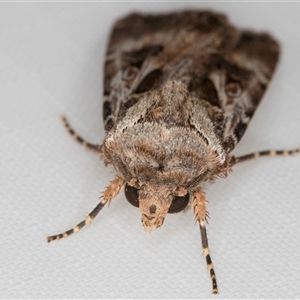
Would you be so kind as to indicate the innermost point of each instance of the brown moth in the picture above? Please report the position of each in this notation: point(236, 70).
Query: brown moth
point(179, 92)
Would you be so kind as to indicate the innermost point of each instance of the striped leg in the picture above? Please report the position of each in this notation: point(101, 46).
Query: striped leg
point(111, 192)
point(199, 206)
point(265, 153)
point(78, 138)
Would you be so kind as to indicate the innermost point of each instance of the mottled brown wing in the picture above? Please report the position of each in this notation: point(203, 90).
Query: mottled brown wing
point(238, 84)
point(145, 51)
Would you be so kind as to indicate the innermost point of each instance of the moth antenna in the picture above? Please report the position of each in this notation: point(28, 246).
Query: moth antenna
point(199, 207)
point(78, 138)
point(111, 192)
point(254, 155)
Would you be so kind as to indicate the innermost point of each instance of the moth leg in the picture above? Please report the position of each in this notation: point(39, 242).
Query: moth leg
point(265, 153)
point(199, 207)
point(111, 192)
point(78, 138)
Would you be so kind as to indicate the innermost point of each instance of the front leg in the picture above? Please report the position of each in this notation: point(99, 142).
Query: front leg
point(199, 207)
point(111, 192)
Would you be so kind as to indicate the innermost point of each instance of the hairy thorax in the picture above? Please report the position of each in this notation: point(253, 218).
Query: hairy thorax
point(162, 138)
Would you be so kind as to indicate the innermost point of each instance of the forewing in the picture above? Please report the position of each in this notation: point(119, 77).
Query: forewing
point(145, 51)
point(237, 85)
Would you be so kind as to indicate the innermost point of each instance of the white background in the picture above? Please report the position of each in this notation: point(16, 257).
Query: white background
point(51, 61)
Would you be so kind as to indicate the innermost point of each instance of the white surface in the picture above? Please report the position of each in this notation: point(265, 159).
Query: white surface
point(51, 58)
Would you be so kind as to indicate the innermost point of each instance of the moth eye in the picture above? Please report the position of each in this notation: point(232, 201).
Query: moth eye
point(132, 195)
point(179, 203)
point(233, 89)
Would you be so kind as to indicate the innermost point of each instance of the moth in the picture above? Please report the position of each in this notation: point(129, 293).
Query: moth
point(179, 92)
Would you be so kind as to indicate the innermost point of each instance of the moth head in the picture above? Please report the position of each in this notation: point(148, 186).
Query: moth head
point(155, 201)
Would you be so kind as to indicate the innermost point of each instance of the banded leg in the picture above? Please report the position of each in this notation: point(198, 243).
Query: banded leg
point(111, 192)
point(199, 207)
point(254, 155)
point(78, 138)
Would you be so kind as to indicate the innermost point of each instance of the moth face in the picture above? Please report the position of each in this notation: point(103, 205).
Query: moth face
point(155, 201)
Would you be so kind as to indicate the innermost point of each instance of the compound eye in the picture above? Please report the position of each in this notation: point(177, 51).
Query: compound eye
point(179, 203)
point(132, 195)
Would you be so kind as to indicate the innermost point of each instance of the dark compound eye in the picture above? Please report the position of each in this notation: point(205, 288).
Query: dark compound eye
point(179, 203)
point(132, 195)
